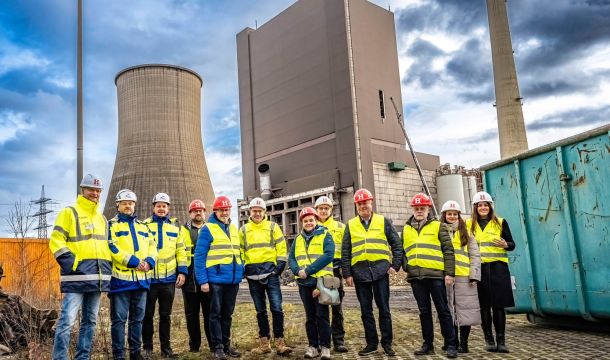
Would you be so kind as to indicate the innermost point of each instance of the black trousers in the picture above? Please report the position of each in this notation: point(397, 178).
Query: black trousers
point(380, 291)
point(338, 331)
point(222, 305)
point(164, 293)
point(423, 290)
point(317, 324)
point(194, 304)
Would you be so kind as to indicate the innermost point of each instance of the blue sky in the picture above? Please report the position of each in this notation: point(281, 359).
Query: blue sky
point(562, 52)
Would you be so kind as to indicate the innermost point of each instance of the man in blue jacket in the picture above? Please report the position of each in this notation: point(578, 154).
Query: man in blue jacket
point(219, 270)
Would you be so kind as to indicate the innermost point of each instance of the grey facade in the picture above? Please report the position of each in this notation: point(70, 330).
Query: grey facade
point(159, 139)
point(315, 84)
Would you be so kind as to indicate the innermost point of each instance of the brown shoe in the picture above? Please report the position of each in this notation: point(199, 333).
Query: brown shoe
point(281, 348)
point(264, 347)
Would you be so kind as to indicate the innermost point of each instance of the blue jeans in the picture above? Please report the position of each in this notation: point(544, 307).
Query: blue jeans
point(123, 306)
point(70, 306)
point(423, 290)
point(270, 285)
point(222, 304)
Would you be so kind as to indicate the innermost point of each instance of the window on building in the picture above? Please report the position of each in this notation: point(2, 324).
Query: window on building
point(382, 105)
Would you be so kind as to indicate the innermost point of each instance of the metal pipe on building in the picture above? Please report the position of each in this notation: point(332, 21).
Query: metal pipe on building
point(79, 98)
point(265, 181)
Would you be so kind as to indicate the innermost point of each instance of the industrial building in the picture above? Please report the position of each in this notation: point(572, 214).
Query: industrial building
point(160, 148)
point(316, 85)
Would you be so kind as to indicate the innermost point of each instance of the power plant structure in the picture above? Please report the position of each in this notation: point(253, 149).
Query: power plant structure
point(160, 148)
point(511, 126)
point(315, 89)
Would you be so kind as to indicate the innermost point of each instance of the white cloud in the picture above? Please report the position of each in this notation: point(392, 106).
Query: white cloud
point(15, 58)
point(12, 123)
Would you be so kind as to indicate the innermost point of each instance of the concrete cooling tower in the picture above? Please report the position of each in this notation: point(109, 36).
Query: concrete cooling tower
point(159, 146)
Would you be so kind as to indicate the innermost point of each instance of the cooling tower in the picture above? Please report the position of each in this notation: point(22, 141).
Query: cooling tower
point(159, 146)
point(511, 127)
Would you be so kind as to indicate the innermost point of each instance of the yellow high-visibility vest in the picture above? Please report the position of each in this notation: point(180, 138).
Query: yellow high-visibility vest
point(371, 244)
point(223, 249)
point(336, 229)
point(423, 249)
point(492, 231)
point(305, 256)
point(171, 251)
point(123, 239)
point(262, 242)
point(462, 260)
point(81, 230)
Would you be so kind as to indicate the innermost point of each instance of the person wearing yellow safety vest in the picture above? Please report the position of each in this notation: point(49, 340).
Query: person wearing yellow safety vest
point(495, 289)
point(462, 297)
point(430, 268)
point(195, 301)
point(264, 252)
point(168, 274)
point(134, 252)
point(311, 257)
point(79, 243)
point(324, 208)
point(219, 269)
point(370, 251)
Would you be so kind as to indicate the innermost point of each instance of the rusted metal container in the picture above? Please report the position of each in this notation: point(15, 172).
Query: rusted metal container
point(556, 199)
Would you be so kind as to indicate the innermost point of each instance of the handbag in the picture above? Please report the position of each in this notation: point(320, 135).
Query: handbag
point(329, 290)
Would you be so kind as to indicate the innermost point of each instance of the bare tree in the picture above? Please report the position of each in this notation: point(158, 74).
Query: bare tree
point(19, 220)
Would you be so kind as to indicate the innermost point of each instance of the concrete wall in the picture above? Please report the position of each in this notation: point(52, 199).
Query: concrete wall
point(394, 189)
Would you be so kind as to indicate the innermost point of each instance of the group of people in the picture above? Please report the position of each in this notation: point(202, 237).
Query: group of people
point(461, 266)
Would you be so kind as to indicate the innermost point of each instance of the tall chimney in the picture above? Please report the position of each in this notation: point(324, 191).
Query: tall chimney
point(511, 127)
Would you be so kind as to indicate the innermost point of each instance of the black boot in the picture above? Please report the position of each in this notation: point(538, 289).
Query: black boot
point(501, 343)
point(425, 349)
point(486, 320)
point(464, 333)
point(499, 320)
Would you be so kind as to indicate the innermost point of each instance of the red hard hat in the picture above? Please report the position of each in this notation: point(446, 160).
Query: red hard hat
point(362, 195)
point(222, 202)
point(196, 205)
point(308, 211)
point(421, 199)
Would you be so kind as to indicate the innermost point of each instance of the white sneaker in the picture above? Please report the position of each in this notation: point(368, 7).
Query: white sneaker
point(311, 352)
point(325, 354)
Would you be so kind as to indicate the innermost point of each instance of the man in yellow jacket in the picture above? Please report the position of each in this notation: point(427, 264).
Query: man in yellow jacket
point(169, 272)
point(134, 252)
point(324, 208)
point(264, 251)
point(79, 244)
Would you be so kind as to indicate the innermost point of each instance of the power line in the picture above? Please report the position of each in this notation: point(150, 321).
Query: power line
point(42, 213)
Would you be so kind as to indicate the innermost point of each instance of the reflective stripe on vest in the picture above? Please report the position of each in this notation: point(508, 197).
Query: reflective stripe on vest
point(371, 244)
point(462, 260)
point(485, 237)
point(423, 249)
point(223, 249)
point(259, 243)
point(336, 229)
point(305, 256)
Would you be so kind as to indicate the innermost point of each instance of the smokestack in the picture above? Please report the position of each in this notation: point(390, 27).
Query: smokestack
point(160, 147)
point(265, 181)
point(511, 127)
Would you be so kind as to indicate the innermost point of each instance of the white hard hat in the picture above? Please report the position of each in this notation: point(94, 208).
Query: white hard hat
point(482, 196)
point(451, 205)
point(91, 181)
point(257, 202)
point(161, 197)
point(126, 194)
point(323, 200)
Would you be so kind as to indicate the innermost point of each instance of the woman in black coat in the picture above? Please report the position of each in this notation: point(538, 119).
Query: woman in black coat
point(495, 290)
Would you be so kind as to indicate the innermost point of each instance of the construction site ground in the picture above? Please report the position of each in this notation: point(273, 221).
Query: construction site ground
point(525, 340)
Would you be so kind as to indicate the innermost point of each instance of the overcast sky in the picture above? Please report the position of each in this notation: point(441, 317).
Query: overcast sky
point(561, 47)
